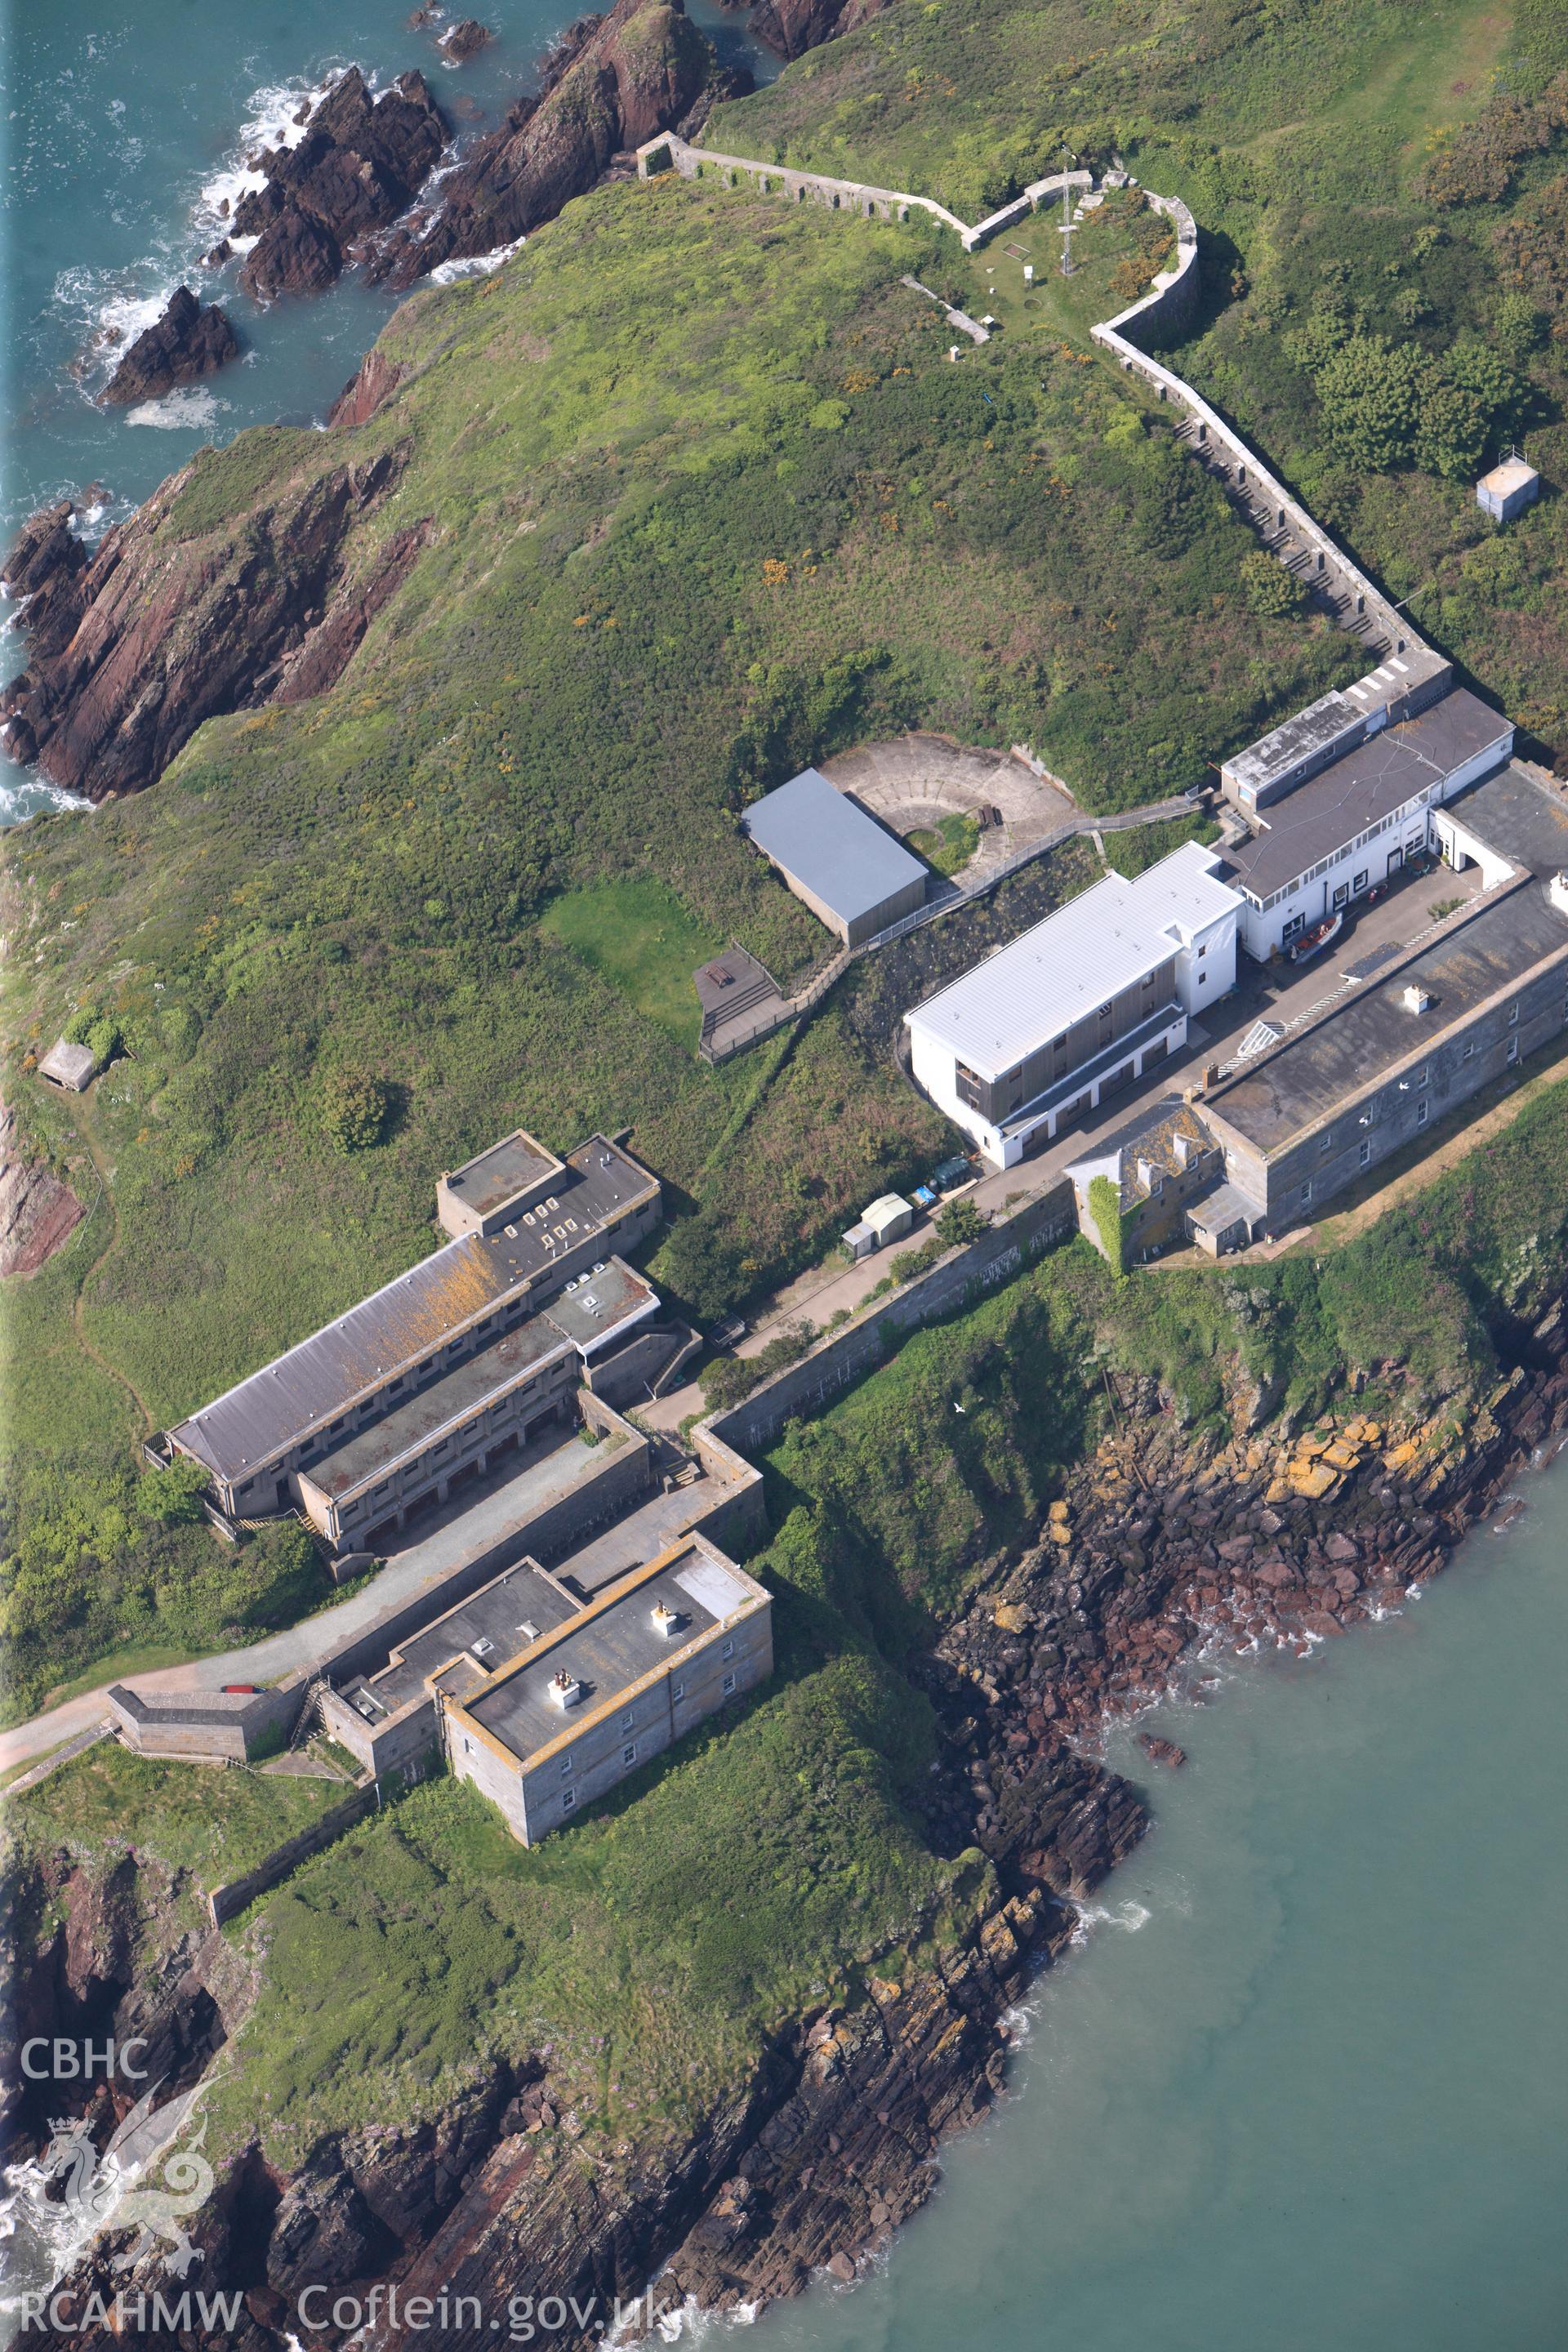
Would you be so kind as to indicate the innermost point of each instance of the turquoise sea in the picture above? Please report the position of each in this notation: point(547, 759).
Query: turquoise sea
point(1303, 2087)
point(120, 132)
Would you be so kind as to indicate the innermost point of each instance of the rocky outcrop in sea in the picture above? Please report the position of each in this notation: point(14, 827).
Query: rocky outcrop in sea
point(170, 623)
point(359, 164)
point(186, 343)
point(610, 82)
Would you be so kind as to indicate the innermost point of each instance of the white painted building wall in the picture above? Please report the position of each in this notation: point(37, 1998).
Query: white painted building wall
point(1339, 880)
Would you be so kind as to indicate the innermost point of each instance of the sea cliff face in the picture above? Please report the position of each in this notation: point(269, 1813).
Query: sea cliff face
point(1165, 1545)
point(170, 624)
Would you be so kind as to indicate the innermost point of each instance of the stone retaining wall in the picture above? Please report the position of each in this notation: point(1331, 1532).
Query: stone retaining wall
point(846, 1356)
point(1165, 312)
point(224, 1902)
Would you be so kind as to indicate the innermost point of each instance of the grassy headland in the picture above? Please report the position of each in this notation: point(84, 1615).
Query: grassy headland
point(708, 500)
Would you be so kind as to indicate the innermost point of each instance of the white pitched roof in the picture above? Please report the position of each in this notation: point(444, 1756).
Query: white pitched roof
point(1043, 982)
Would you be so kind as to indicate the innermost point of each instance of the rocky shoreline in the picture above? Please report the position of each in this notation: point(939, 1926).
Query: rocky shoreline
point(1164, 1552)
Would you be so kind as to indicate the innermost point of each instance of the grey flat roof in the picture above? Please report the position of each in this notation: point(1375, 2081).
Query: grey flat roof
point(457, 1396)
point(1324, 815)
point(599, 1305)
point(829, 845)
point(611, 1649)
point(513, 1166)
point(70, 1065)
point(1321, 723)
point(1330, 1067)
point(1520, 817)
point(409, 1318)
point(498, 1613)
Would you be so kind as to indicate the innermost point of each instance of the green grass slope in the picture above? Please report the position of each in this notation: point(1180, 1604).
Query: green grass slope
point(707, 501)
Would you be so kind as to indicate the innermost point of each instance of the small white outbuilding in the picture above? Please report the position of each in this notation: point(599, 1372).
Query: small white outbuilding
point(1508, 489)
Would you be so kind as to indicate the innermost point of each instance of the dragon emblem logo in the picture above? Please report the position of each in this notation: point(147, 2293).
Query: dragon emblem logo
point(144, 2181)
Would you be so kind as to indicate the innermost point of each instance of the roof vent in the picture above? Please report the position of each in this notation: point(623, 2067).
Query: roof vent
point(481, 1648)
point(1557, 891)
point(566, 1690)
point(529, 1630)
point(1414, 998)
point(666, 1620)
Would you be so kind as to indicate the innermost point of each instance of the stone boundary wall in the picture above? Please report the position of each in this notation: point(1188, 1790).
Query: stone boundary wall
point(1167, 308)
point(223, 1901)
point(846, 1355)
point(857, 197)
point(1166, 311)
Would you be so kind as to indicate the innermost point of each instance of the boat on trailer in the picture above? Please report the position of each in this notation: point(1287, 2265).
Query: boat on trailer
point(1313, 942)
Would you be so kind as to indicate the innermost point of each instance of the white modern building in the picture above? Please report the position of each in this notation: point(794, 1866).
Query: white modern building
point(1080, 1007)
point(1324, 837)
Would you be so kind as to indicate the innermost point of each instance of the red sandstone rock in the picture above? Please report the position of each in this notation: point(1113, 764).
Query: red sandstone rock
point(629, 75)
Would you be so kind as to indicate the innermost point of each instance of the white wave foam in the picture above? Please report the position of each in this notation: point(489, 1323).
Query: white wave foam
point(32, 795)
point(189, 410)
point(1130, 1917)
point(482, 264)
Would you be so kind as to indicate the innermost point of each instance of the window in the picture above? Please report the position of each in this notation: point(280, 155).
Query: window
point(1366, 1152)
point(728, 1651)
point(1342, 894)
point(1306, 1192)
point(1362, 879)
point(1423, 1074)
point(1468, 1048)
point(729, 1684)
point(1106, 1011)
point(678, 1690)
point(568, 1798)
point(967, 1083)
point(1203, 952)
point(629, 1752)
point(1513, 1049)
point(566, 1766)
point(1514, 1015)
point(1326, 1141)
point(1203, 979)
point(627, 1720)
point(1421, 1111)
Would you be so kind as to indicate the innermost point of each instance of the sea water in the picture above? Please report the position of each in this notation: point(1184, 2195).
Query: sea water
point(122, 132)
point(1302, 2086)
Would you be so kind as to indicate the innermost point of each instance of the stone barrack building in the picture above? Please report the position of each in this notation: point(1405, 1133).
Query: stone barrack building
point(380, 1408)
point(604, 1690)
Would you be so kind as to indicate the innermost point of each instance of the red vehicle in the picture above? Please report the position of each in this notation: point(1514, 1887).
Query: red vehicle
point(241, 1690)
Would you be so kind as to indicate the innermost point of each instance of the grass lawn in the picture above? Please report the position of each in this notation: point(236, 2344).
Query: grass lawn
point(216, 1821)
point(638, 936)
